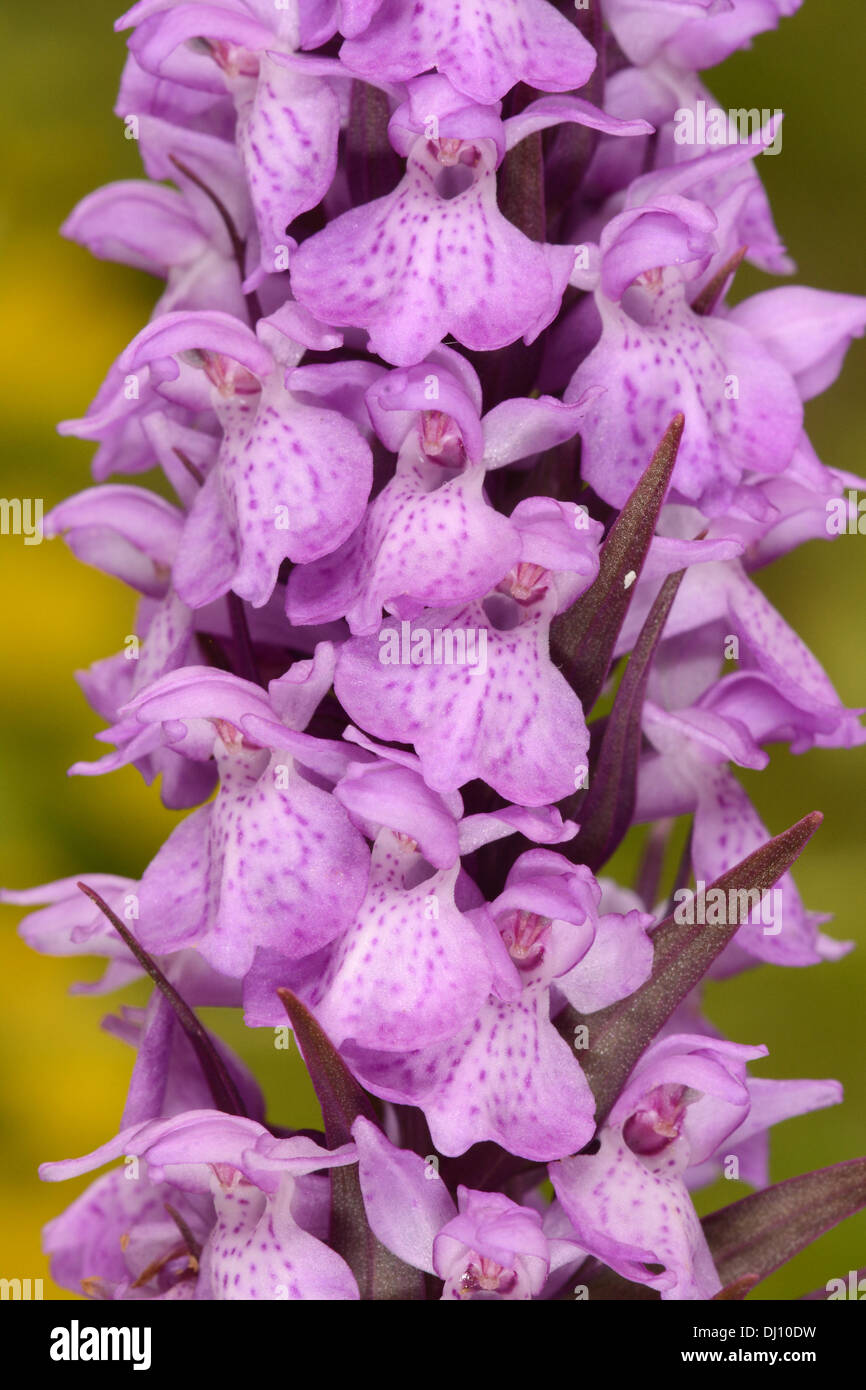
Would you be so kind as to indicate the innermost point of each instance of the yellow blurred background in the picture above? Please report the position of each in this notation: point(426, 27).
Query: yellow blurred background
point(65, 318)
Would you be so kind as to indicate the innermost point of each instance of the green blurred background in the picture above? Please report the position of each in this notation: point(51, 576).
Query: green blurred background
point(65, 318)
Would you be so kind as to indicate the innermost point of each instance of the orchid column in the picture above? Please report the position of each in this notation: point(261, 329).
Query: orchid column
point(473, 467)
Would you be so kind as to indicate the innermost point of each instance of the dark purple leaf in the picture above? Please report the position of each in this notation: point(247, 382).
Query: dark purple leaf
point(379, 1273)
point(582, 640)
point(341, 1098)
point(620, 1034)
point(713, 291)
point(223, 1089)
point(733, 1293)
point(605, 812)
point(766, 1229)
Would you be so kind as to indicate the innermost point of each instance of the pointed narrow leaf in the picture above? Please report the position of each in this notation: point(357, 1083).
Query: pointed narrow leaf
point(620, 1034)
point(223, 1089)
point(380, 1275)
point(582, 639)
point(606, 811)
point(606, 1286)
point(766, 1229)
point(733, 1293)
point(341, 1098)
point(712, 292)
